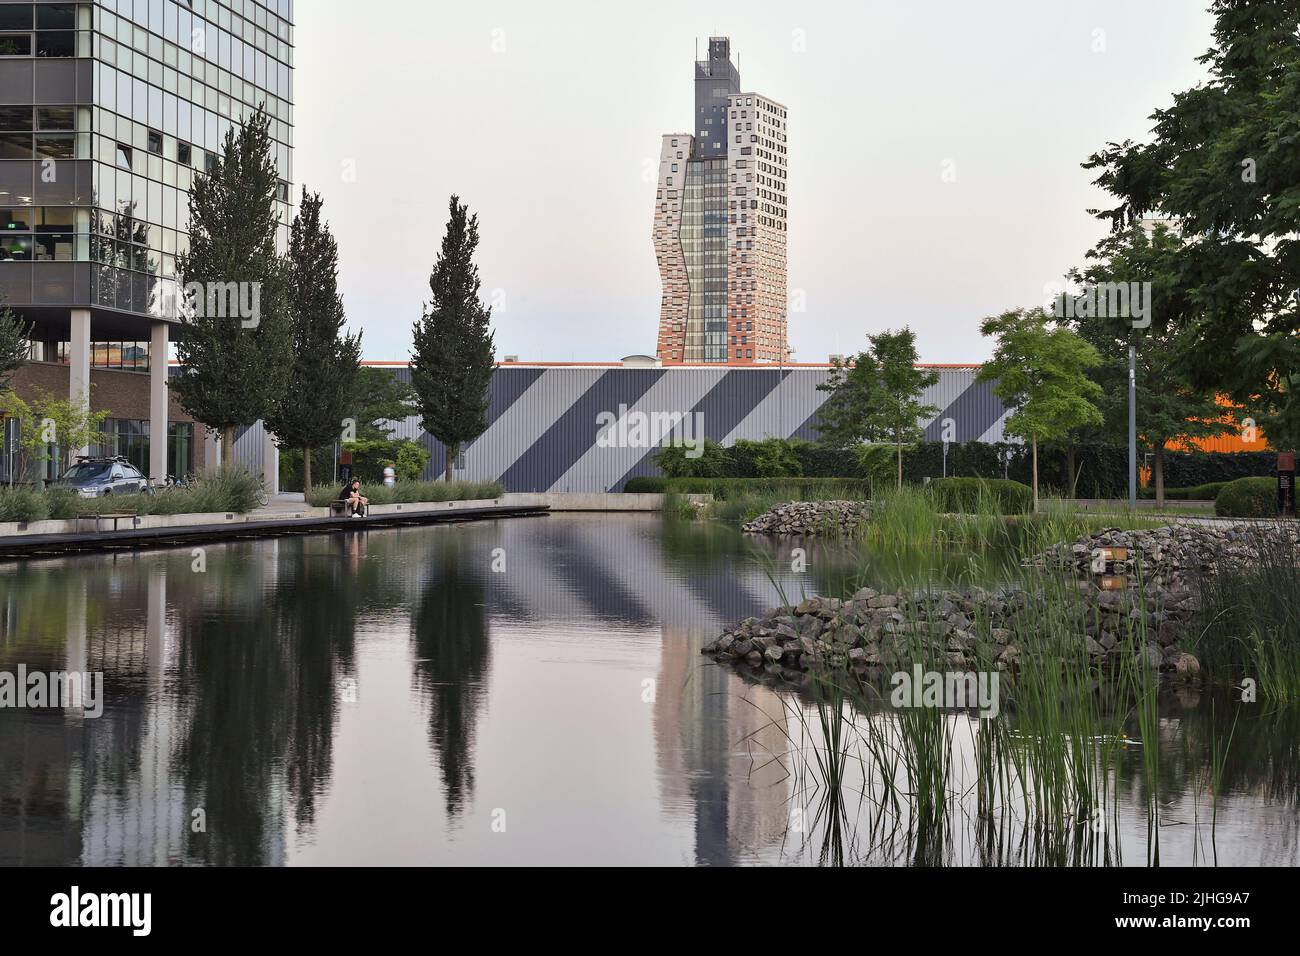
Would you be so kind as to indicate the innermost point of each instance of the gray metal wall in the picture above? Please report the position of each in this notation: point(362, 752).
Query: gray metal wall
point(543, 432)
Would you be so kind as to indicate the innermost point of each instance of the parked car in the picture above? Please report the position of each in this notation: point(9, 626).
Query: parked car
point(100, 477)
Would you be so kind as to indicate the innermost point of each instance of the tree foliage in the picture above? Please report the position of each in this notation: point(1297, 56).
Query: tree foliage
point(14, 344)
point(235, 369)
point(1041, 373)
point(1224, 161)
point(1171, 410)
point(325, 361)
point(877, 397)
point(453, 357)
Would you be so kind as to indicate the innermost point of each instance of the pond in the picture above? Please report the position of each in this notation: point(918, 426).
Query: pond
point(527, 691)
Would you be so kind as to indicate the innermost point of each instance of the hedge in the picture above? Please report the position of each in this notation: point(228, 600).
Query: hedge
point(1198, 493)
point(981, 494)
point(1102, 469)
point(1247, 498)
point(805, 489)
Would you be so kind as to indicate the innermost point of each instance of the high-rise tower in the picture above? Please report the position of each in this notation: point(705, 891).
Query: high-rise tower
point(720, 224)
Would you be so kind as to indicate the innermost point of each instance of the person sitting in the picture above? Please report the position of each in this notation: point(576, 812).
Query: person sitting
point(351, 496)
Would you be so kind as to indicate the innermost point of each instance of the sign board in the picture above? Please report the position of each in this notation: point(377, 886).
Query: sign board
point(1286, 484)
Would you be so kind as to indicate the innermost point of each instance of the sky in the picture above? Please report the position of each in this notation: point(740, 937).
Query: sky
point(934, 153)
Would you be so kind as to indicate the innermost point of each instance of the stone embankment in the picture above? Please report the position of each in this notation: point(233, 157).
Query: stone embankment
point(813, 518)
point(969, 630)
point(1177, 550)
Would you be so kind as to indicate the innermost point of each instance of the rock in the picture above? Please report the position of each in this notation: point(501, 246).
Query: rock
point(1185, 666)
point(825, 518)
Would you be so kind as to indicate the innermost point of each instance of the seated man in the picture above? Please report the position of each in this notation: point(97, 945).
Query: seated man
point(352, 499)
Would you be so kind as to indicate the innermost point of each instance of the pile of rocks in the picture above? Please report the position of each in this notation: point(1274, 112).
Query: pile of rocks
point(826, 518)
point(962, 629)
point(1181, 549)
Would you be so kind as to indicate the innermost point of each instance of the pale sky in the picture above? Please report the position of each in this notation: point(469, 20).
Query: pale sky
point(546, 119)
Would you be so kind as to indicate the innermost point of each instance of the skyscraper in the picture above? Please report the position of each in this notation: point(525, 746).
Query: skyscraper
point(109, 111)
point(720, 224)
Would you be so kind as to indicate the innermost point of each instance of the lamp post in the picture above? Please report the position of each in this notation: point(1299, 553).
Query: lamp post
point(1132, 428)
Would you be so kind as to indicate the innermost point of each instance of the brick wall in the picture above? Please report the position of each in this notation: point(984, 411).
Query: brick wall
point(121, 394)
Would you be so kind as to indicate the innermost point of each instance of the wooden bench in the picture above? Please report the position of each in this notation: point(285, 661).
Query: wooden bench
point(115, 516)
point(338, 509)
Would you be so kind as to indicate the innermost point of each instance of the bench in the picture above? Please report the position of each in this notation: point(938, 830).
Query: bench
point(338, 509)
point(115, 516)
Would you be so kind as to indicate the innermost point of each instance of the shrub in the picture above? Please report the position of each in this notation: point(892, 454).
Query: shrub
point(370, 457)
point(676, 461)
point(978, 495)
point(415, 492)
point(804, 489)
point(771, 457)
point(1197, 493)
point(1247, 498)
point(411, 461)
point(22, 504)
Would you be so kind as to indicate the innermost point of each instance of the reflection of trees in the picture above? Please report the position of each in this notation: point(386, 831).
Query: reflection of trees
point(260, 682)
point(118, 245)
point(450, 632)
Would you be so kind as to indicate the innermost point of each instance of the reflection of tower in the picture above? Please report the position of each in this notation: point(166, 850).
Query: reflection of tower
point(702, 713)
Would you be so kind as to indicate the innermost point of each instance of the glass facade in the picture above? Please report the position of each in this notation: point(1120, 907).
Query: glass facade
point(129, 439)
point(170, 79)
point(704, 248)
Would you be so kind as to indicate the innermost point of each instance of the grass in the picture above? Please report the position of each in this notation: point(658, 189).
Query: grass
point(906, 518)
point(1252, 618)
point(413, 492)
point(224, 491)
point(1037, 784)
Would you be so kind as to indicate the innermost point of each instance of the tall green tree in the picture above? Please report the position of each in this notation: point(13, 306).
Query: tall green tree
point(1171, 410)
point(14, 343)
point(326, 360)
point(234, 368)
point(877, 396)
point(453, 357)
point(379, 396)
point(1224, 161)
point(1041, 372)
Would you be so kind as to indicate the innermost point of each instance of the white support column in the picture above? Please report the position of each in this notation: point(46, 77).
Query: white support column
point(79, 367)
point(270, 463)
point(159, 343)
point(211, 448)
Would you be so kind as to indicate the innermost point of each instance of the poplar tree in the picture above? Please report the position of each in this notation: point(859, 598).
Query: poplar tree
point(453, 354)
point(234, 368)
point(326, 361)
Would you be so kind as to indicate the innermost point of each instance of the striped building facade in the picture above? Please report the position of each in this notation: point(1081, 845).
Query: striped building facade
point(592, 427)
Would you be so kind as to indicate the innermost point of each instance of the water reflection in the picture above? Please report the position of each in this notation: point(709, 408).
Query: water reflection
point(517, 692)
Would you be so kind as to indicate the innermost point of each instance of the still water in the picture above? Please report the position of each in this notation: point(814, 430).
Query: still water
point(518, 692)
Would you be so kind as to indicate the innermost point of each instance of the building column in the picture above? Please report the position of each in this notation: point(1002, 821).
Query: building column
point(79, 367)
point(211, 448)
point(270, 463)
point(159, 343)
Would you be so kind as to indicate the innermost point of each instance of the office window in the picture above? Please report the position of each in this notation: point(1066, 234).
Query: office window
point(15, 44)
point(155, 142)
point(124, 156)
point(183, 154)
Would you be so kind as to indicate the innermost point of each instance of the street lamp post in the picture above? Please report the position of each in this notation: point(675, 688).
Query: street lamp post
point(1132, 428)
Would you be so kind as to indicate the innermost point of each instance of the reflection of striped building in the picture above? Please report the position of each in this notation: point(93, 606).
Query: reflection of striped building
point(550, 424)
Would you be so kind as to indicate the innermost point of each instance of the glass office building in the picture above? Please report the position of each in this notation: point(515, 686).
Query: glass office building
point(108, 113)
